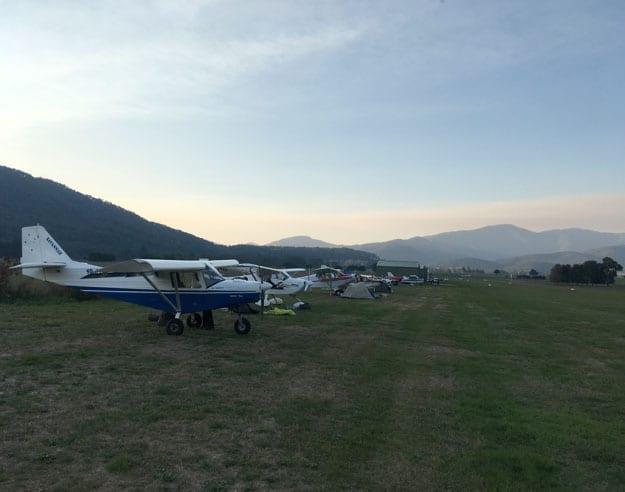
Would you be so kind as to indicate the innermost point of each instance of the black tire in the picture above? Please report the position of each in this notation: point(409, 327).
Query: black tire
point(242, 326)
point(194, 320)
point(174, 327)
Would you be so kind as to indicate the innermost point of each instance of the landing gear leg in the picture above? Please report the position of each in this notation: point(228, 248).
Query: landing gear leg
point(194, 320)
point(207, 320)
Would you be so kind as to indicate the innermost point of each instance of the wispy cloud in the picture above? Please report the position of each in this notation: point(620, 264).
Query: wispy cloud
point(485, 35)
point(83, 60)
point(75, 60)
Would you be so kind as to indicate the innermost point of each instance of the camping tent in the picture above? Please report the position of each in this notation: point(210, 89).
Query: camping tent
point(360, 290)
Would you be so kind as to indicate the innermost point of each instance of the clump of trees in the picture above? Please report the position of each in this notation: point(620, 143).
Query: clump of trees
point(589, 272)
point(5, 272)
point(533, 275)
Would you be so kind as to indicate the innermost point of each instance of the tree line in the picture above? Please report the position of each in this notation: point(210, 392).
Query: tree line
point(589, 272)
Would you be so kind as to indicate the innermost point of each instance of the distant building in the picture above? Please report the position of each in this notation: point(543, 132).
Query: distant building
point(398, 264)
point(401, 267)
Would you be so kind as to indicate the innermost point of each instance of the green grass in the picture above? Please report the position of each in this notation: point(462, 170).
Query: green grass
point(475, 384)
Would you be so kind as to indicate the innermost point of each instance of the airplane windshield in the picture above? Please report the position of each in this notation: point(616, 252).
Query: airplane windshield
point(211, 277)
point(274, 276)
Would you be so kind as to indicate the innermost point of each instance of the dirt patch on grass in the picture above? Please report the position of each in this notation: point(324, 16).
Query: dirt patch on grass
point(545, 391)
point(7, 385)
point(595, 363)
point(419, 386)
point(447, 383)
point(318, 385)
point(400, 473)
point(446, 352)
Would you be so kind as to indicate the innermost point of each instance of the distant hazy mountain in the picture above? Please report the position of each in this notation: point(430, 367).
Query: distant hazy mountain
point(503, 246)
point(501, 241)
point(499, 244)
point(417, 249)
point(302, 241)
point(615, 252)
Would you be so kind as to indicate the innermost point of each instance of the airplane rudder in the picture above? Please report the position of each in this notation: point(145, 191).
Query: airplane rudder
point(31, 252)
point(39, 246)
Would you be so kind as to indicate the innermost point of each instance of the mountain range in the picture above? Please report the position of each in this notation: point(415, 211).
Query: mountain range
point(92, 229)
point(504, 246)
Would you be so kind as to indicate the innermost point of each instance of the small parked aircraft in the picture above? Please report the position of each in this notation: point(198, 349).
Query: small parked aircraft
point(413, 280)
point(329, 278)
point(395, 279)
point(282, 283)
point(173, 287)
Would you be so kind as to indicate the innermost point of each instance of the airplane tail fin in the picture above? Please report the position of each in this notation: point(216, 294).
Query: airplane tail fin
point(43, 258)
point(40, 250)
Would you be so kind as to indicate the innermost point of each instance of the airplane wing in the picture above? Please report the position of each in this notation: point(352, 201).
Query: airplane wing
point(273, 276)
point(140, 265)
point(326, 270)
point(237, 270)
point(221, 263)
point(261, 268)
point(145, 266)
point(276, 274)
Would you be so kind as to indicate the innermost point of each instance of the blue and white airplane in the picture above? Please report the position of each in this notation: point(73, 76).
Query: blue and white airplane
point(174, 287)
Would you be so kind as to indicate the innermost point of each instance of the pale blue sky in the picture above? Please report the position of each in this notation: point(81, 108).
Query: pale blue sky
point(347, 121)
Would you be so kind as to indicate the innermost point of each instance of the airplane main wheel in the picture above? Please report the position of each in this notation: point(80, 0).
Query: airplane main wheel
point(194, 320)
point(242, 326)
point(174, 327)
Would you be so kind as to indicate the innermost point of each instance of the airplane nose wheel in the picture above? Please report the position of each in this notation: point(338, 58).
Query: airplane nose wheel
point(174, 327)
point(242, 326)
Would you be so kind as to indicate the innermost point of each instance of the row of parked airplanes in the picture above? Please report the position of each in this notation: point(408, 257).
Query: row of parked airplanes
point(176, 287)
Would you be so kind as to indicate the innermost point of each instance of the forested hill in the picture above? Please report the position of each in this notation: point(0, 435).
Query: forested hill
point(90, 228)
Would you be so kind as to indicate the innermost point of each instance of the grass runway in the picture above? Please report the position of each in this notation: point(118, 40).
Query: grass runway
point(477, 384)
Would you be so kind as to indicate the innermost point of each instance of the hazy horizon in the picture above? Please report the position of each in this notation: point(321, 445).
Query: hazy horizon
point(350, 122)
point(443, 232)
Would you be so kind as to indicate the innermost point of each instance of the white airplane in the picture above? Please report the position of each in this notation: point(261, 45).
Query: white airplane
point(173, 287)
point(328, 278)
point(394, 279)
point(412, 280)
point(280, 280)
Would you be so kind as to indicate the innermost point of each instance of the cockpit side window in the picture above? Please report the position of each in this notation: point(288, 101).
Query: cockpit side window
point(190, 280)
point(211, 277)
point(186, 280)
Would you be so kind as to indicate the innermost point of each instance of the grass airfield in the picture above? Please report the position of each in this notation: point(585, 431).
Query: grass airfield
point(472, 384)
